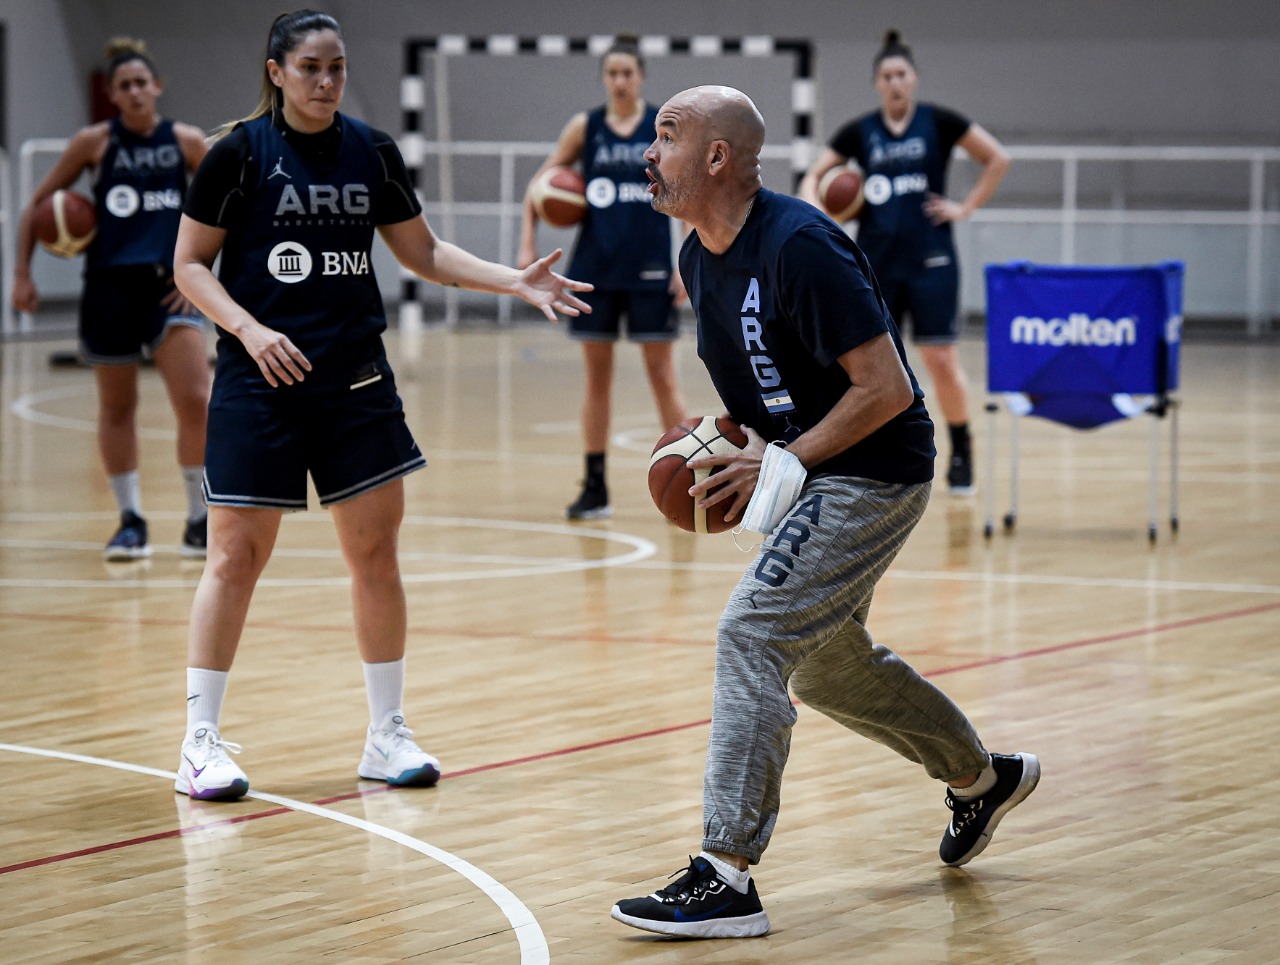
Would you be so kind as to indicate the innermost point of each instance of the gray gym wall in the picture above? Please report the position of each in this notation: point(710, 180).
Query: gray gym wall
point(1096, 71)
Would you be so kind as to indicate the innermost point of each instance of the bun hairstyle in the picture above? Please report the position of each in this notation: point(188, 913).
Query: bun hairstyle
point(893, 47)
point(628, 44)
point(124, 50)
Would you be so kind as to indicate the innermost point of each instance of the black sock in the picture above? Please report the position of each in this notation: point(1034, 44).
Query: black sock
point(595, 469)
point(959, 438)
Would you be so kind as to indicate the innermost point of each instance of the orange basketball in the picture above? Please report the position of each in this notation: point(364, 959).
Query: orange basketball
point(560, 197)
point(840, 192)
point(65, 222)
point(670, 477)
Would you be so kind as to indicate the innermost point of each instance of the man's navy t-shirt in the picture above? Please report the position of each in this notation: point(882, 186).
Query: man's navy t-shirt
point(776, 311)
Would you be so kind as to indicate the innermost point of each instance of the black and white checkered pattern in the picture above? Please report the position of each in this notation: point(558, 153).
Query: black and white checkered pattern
point(413, 89)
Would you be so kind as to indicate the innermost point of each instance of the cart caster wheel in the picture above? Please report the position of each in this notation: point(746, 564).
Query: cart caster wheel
point(1151, 535)
point(1010, 520)
point(987, 530)
point(1173, 524)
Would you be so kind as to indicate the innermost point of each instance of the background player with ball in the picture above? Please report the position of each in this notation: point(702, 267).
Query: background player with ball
point(624, 250)
point(801, 348)
point(129, 305)
point(904, 226)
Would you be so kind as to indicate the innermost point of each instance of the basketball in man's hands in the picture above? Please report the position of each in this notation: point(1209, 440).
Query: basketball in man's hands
point(65, 222)
point(670, 476)
point(840, 192)
point(559, 197)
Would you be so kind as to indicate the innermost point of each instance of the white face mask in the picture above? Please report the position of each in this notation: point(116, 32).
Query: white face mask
point(778, 488)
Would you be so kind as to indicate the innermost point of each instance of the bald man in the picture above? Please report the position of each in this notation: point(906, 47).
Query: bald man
point(802, 350)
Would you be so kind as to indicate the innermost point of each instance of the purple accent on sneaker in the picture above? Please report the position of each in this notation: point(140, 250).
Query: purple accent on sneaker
point(235, 789)
point(195, 771)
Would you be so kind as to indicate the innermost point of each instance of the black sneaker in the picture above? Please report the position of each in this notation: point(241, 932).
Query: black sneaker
point(195, 539)
point(960, 474)
point(592, 503)
point(973, 821)
point(699, 905)
point(130, 541)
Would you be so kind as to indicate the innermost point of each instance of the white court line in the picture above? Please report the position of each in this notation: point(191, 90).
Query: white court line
point(24, 407)
point(1102, 582)
point(640, 442)
point(641, 556)
point(533, 944)
point(514, 566)
point(1009, 578)
point(308, 554)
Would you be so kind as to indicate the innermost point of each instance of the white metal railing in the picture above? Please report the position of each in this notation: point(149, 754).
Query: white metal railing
point(1253, 217)
point(8, 229)
point(508, 207)
point(12, 205)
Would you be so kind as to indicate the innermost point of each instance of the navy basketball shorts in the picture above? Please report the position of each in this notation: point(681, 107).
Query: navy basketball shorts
point(122, 318)
point(263, 442)
point(930, 296)
point(650, 316)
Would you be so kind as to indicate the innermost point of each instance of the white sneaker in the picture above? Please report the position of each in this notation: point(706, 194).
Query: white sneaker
point(391, 755)
point(205, 772)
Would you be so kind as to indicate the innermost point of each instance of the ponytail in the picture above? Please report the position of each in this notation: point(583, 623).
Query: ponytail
point(287, 31)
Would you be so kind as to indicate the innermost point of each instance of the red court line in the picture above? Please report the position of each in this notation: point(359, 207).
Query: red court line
point(1108, 638)
point(145, 839)
point(629, 738)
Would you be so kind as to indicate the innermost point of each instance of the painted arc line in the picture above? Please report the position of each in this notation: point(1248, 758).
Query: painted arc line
point(24, 407)
point(533, 943)
point(303, 554)
point(639, 549)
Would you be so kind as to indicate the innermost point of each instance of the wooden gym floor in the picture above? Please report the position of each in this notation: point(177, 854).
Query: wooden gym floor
point(563, 675)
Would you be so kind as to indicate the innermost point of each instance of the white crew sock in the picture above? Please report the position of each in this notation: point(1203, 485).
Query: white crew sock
point(735, 879)
point(205, 690)
point(384, 686)
point(193, 483)
point(127, 488)
point(985, 782)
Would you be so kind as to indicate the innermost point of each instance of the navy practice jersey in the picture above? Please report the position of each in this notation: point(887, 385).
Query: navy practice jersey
point(623, 243)
point(138, 192)
point(776, 311)
point(899, 173)
point(300, 212)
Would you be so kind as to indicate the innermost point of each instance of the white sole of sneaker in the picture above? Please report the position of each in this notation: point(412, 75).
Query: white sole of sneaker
point(124, 556)
point(194, 552)
point(426, 776)
point(1030, 778)
point(605, 513)
point(749, 926)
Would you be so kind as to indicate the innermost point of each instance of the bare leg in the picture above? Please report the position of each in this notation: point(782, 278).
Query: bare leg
point(183, 365)
point(598, 360)
point(368, 528)
point(659, 364)
point(117, 417)
point(949, 381)
point(240, 543)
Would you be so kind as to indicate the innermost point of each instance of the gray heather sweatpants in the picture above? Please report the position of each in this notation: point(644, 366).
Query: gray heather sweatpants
point(799, 616)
